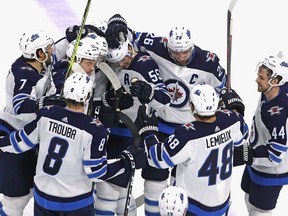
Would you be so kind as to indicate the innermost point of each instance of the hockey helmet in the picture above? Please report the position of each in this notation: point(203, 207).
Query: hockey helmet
point(30, 42)
point(118, 54)
point(173, 201)
point(278, 67)
point(204, 99)
point(78, 87)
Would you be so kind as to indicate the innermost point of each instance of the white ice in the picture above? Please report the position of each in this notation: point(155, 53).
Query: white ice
point(259, 29)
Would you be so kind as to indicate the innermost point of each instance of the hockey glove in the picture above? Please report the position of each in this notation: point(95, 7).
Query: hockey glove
point(126, 100)
point(243, 155)
point(108, 117)
point(96, 30)
point(72, 32)
point(142, 90)
point(116, 28)
point(49, 100)
point(146, 123)
point(134, 158)
point(231, 100)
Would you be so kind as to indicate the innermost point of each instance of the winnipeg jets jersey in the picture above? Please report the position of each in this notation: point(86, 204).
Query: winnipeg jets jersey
point(203, 68)
point(143, 68)
point(203, 153)
point(72, 152)
point(24, 85)
point(268, 137)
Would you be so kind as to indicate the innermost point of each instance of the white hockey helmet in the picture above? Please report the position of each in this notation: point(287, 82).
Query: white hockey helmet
point(91, 47)
point(278, 67)
point(173, 201)
point(204, 99)
point(101, 43)
point(30, 42)
point(100, 24)
point(118, 54)
point(180, 39)
point(78, 87)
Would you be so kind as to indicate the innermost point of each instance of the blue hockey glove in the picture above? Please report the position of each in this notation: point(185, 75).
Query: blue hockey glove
point(126, 100)
point(134, 158)
point(146, 123)
point(142, 90)
point(231, 101)
point(50, 100)
point(243, 155)
point(116, 25)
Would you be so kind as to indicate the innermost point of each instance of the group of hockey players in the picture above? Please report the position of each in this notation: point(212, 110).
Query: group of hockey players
point(62, 138)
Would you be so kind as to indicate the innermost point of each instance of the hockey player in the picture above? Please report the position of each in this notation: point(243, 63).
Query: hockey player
point(138, 66)
point(204, 151)
point(182, 65)
point(264, 179)
point(173, 201)
point(27, 84)
point(97, 28)
point(91, 50)
point(72, 153)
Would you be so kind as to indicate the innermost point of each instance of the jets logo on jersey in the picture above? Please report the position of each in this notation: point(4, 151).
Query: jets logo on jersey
point(179, 93)
point(275, 110)
point(144, 58)
point(210, 57)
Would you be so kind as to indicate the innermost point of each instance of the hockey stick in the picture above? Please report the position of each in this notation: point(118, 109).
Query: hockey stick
point(229, 42)
point(85, 15)
point(107, 70)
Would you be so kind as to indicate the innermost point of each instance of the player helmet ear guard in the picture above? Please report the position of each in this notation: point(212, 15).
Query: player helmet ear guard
point(173, 201)
point(92, 47)
point(204, 99)
point(180, 39)
point(78, 87)
point(279, 68)
point(30, 42)
point(118, 54)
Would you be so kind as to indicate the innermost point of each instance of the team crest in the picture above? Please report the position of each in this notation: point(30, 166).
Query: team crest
point(275, 110)
point(210, 57)
point(179, 93)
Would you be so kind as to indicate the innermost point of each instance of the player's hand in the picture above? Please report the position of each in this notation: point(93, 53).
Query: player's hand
point(116, 29)
point(50, 100)
point(72, 32)
point(125, 101)
point(108, 117)
point(243, 155)
point(142, 90)
point(231, 101)
point(134, 158)
point(146, 123)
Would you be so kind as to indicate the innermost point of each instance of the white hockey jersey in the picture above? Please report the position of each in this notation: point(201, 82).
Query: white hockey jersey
point(72, 154)
point(203, 68)
point(203, 153)
point(268, 138)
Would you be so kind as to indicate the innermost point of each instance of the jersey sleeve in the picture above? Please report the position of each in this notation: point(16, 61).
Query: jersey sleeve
point(96, 164)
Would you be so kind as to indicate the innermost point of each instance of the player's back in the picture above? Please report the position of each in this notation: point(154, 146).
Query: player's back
point(207, 170)
point(67, 138)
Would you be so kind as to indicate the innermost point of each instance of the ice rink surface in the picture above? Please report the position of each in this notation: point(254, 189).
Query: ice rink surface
point(259, 29)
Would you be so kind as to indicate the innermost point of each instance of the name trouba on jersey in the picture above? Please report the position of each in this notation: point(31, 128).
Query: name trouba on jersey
point(62, 130)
